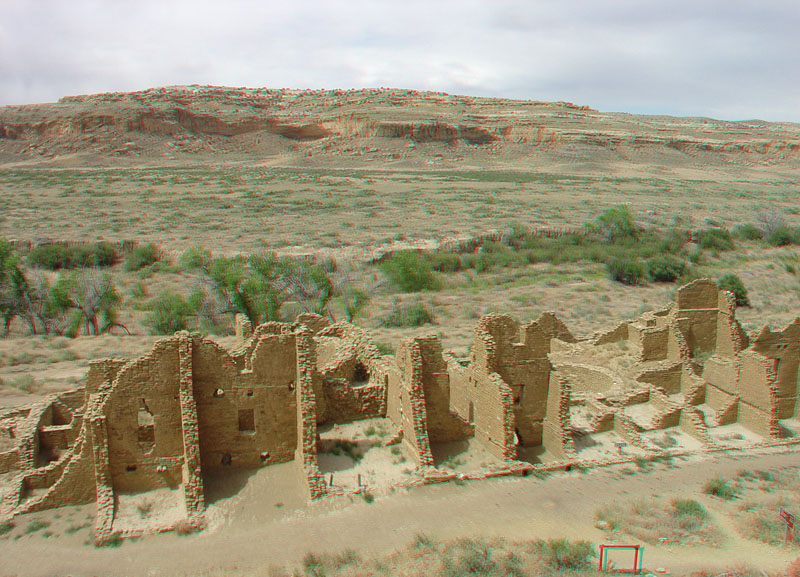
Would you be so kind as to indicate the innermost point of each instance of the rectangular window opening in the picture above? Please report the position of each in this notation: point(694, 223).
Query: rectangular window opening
point(146, 427)
point(247, 421)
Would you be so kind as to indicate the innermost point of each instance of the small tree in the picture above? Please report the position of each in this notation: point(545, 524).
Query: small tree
point(410, 272)
point(616, 223)
point(665, 268)
point(12, 284)
point(627, 271)
point(46, 307)
point(169, 313)
point(94, 295)
point(141, 256)
point(732, 283)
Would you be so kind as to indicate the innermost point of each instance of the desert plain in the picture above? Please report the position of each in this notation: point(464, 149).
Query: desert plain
point(349, 180)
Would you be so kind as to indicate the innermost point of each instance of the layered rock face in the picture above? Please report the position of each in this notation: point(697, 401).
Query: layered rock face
point(398, 128)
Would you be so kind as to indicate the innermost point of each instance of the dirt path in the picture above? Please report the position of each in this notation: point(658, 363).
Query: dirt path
point(514, 508)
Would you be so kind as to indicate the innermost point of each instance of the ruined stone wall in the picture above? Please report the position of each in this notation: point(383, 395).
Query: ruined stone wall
point(693, 423)
point(484, 399)
point(731, 337)
point(354, 375)
point(144, 422)
point(616, 335)
point(650, 340)
point(783, 348)
point(667, 378)
point(698, 303)
point(411, 414)
point(306, 418)
point(556, 434)
point(189, 409)
point(722, 373)
point(758, 409)
point(246, 419)
point(443, 424)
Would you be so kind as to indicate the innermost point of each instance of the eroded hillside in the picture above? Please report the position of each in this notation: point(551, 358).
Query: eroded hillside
point(390, 129)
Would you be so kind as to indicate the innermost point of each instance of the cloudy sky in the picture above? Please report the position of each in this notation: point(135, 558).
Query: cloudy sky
point(731, 59)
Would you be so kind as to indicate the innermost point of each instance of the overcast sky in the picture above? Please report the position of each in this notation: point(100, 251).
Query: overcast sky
point(730, 59)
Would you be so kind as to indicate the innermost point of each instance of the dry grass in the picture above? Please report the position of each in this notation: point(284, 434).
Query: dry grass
point(426, 557)
point(762, 495)
point(680, 521)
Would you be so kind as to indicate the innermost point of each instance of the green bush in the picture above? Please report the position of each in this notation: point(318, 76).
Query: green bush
point(564, 554)
point(142, 255)
point(784, 236)
point(665, 268)
point(194, 258)
point(444, 261)
point(410, 272)
point(731, 282)
point(627, 271)
point(720, 488)
point(415, 315)
point(675, 241)
point(169, 313)
point(60, 256)
point(615, 223)
point(748, 231)
point(689, 508)
point(716, 239)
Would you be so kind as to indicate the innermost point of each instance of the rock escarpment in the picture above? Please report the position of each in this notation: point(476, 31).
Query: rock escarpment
point(399, 128)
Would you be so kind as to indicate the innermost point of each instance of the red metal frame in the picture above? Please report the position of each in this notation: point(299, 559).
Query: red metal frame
point(638, 558)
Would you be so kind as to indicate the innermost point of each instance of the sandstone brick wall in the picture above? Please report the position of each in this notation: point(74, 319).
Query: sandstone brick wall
point(443, 423)
point(411, 411)
point(189, 409)
point(666, 377)
point(556, 435)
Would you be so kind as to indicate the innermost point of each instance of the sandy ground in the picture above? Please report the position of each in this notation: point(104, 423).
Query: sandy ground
point(259, 532)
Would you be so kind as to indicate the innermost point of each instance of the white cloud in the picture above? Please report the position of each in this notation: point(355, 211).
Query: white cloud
point(728, 58)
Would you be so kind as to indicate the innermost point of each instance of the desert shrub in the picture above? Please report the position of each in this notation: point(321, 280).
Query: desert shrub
point(36, 525)
point(564, 554)
point(720, 488)
point(764, 526)
point(6, 527)
point(748, 231)
point(477, 557)
point(784, 236)
point(626, 270)
point(690, 508)
point(169, 313)
point(615, 223)
point(674, 241)
point(142, 255)
point(384, 348)
point(444, 261)
point(50, 256)
point(715, 239)
point(665, 268)
point(690, 514)
point(414, 315)
point(60, 256)
point(194, 258)
point(355, 301)
point(410, 272)
point(731, 282)
point(346, 448)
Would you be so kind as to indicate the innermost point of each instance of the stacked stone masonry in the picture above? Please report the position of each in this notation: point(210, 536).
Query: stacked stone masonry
point(190, 411)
